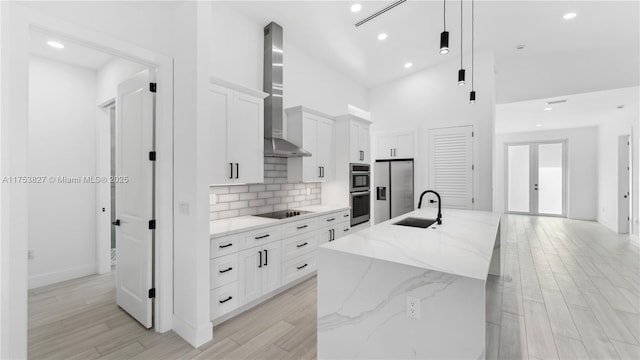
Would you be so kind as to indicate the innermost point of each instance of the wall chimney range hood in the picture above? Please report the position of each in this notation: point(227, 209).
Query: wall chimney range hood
point(275, 145)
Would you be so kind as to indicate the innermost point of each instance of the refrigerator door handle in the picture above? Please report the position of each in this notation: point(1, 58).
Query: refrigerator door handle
point(381, 193)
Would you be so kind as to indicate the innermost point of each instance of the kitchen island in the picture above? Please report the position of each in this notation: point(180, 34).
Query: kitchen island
point(397, 292)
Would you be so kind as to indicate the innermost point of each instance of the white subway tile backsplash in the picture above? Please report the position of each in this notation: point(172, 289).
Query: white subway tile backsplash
point(238, 204)
point(238, 189)
point(274, 194)
point(250, 196)
point(228, 198)
point(257, 188)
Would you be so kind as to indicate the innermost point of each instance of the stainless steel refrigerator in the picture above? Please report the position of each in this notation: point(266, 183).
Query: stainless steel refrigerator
point(393, 186)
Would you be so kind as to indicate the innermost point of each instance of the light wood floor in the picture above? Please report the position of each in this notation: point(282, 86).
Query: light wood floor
point(569, 289)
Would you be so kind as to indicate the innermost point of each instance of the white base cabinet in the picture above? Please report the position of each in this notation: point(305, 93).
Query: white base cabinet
point(249, 265)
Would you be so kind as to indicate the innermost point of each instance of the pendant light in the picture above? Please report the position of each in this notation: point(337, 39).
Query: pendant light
point(461, 71)
point(472, 95)
point(444, 36)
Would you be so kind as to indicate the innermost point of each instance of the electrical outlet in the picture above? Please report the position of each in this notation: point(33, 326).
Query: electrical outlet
point(213, 199)
point(183, 208)
point(31, 255)
point(413, 307)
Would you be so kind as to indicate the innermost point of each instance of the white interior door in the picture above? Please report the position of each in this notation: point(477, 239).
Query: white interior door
point(451, 165)
point(535, 178)
point(134, 197)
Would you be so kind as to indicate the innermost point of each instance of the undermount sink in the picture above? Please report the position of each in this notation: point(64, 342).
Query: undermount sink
point(416, 222)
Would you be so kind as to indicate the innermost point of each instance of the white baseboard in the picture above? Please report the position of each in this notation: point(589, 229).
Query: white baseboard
point(607, 225)
point(62, 275)
point(194, 336)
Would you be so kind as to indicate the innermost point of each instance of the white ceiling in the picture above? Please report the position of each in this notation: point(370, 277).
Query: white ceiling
point(580, 110)
point(606, 31)
point(72, 53)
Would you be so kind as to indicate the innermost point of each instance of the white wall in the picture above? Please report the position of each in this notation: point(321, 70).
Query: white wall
point(622, 122)
point(62, 227)
point(582, 162)
point(431, 98)
point(113, 73)
point(237, 56)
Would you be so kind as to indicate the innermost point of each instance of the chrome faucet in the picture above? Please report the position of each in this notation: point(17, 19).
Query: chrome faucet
point(439, 219)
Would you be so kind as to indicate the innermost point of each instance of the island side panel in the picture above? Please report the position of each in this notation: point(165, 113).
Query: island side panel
point(494, 266)
point(362, 311)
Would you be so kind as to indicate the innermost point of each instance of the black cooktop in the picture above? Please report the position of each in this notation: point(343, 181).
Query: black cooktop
point(284, 214)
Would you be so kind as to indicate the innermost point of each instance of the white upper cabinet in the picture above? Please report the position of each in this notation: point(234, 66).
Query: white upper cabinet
point(237, 134)
point(395, 145)
point(359, 138)
point(314, 132)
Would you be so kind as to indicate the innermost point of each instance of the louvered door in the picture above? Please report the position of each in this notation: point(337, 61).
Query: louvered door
point(451, 165)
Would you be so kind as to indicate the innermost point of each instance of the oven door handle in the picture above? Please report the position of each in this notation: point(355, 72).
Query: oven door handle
point(358, 193)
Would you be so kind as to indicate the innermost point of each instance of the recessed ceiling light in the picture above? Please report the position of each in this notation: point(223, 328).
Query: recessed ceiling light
point(538, 125)
point(356, 7)
point(408, 65)
point(548, 108)
point(382, 36)
point(569, 16)
point(521, 47)
point(55, 44)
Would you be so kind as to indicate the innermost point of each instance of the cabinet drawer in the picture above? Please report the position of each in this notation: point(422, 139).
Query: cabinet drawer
point(224, 245)
point(224, 299)
point(330, 219)
point(299, 227)
point(259, 237)
point(298, 267)
point(224, 270)
point(343, 229)
point(345, 216)
point(299, 245)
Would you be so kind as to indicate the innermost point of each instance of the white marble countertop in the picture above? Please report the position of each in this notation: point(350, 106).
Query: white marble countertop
point(245, 223)
point(462, 245)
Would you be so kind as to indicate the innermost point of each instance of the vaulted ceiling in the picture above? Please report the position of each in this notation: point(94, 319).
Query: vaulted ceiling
point(599, 49)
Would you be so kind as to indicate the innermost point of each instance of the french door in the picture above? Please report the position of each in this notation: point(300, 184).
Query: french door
point(536, 178)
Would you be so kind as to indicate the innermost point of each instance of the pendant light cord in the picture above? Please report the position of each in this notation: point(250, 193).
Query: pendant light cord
point(472, 41)
point(444, 14)
point(461, 35)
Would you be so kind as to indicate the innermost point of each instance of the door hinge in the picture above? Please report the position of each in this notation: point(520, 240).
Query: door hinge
point(153, 87)
point(152, 224)
point(473, 167)
point(152, 293)
point(473, 200)
point(152, 156)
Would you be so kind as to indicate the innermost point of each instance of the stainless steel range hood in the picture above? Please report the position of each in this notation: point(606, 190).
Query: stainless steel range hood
point(275, 145)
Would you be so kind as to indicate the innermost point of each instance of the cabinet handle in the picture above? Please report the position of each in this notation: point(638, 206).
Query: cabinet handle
point(319, 171)
point(331, 219)
point(231, 170)
point(302, 227)
point(322, 171)
point(224, 271)
point(262, 237)
point(301, 267)
point(333, 234)
point(225, 246)
point(260, 262)
point(301, 245)
point(345, 230)
point(345, 215)
point(391, 152)
point(237, 170)
point(225, 300)
point(395, 152)
point(266, 257)
point(116, 223)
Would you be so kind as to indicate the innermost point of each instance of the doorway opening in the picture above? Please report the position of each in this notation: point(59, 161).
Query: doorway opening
point(91, 127)
point(536, 178)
